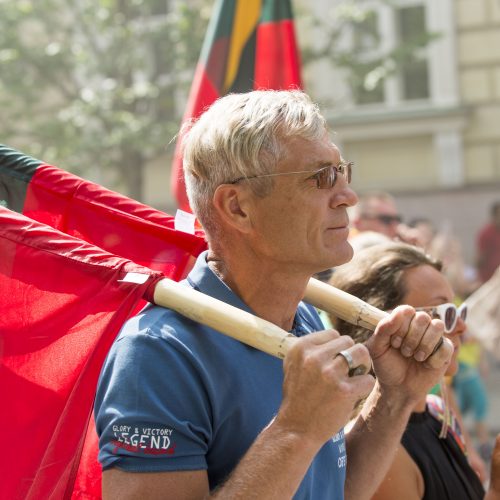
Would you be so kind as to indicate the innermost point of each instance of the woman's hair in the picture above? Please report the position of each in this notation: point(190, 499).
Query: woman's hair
point(377, 275)
point(243, 135)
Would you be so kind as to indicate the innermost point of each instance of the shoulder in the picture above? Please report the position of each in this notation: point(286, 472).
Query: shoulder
point(403, 480)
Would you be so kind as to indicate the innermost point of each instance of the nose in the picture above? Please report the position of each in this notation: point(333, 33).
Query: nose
point(460, 327)
point(343, 194)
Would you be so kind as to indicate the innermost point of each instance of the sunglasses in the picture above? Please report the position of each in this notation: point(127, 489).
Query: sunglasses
point(387, 220)
point(325, 177)
point(447, 313)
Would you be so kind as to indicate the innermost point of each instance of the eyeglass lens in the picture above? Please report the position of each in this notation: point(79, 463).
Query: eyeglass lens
point(389, 219)
point(450, 317)
point(327, 177)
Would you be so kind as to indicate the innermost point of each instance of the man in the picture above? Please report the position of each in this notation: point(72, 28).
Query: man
point(376, 219)
point(185, 412)
point(488, 245)
point(377, 212)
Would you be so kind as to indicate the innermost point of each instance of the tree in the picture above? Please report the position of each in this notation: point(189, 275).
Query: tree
point(86, 83)
point(366, 65)
point(98, 86)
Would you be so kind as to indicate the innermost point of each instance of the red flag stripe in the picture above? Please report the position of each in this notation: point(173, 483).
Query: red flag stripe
point(276, 47)
point(62, 305)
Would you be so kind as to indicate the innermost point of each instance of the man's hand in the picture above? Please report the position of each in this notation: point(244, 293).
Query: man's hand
point(318, 394)
point(402, 349)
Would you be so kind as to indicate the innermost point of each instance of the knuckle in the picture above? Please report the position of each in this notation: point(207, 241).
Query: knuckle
point(437, 325)
point(334, 333)
point(421, 319)
point(405, 310)
point(310, 360)
point(328, 374)
point(346, 341)
point(361, 353)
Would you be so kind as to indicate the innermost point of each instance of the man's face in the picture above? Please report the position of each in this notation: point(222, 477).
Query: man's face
point(298, 225)
point(380, 216)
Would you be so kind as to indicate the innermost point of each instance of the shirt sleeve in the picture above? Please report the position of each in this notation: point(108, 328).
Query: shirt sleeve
point(152, 412)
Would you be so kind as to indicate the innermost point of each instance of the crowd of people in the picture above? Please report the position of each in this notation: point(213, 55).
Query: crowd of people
point(184, 412)
point(376, 219)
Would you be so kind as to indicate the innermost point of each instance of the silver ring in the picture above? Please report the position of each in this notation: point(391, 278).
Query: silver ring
point(353, 370)
point(348, 358)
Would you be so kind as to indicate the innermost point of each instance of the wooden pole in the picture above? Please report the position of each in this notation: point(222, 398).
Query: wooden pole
point(254, 331)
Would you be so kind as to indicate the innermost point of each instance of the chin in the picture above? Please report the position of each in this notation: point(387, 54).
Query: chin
point(341, 254)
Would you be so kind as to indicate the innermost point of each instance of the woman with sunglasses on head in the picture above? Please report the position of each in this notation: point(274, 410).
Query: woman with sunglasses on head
point(431, 462)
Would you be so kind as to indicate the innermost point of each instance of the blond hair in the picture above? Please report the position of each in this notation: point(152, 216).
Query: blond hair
point(243, 135)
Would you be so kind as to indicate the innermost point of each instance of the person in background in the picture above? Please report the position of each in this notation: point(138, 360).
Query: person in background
point(470, 390)
point(446, 247)
point(431, 462)
point(376, 212)
point(488, 245)
point(426, 231)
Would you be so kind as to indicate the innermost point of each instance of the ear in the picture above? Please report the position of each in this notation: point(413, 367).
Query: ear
point(232, 205)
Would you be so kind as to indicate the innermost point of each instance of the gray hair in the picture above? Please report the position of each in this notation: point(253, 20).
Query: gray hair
point(242, 135)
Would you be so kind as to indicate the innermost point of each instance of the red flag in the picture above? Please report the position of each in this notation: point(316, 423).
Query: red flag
point(62, 305)
point(94, 214)
point(57, 332)
point(249, 44)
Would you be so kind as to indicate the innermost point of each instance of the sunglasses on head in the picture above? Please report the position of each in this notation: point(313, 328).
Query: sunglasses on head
point(385, 219)
point(447, 313)
point(325, 177)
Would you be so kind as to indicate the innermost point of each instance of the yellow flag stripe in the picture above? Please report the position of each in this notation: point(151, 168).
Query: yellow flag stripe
point(246, 17)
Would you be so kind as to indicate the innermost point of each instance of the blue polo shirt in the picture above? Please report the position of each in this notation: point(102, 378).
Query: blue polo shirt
point(177, 395)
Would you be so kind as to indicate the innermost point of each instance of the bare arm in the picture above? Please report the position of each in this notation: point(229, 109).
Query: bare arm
point(402, 382)
point(272, 468)
point(493, 492)
point(404, 479)
point(183, 485)
point(318, 397)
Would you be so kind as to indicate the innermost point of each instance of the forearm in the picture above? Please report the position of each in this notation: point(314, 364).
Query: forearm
point(272, 468)
point(372, 443)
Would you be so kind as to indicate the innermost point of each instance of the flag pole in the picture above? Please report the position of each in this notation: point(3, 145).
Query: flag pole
point(257, 332)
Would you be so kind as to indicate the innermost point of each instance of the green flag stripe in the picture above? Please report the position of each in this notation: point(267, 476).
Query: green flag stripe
point(219, 26)
point(276, 10)
point(246, 70)
point(16, 172)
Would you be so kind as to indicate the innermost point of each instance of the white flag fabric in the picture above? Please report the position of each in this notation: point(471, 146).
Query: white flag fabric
point(484, 314)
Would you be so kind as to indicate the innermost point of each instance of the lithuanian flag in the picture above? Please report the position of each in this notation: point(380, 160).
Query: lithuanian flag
point(250, 44)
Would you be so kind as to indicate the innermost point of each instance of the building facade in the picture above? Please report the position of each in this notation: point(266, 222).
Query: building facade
point(424, 127)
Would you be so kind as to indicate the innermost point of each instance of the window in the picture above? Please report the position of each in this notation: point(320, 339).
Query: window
point(389, 62)
point(412, 32)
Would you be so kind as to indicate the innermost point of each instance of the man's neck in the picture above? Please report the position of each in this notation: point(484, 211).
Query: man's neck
point(269, 290)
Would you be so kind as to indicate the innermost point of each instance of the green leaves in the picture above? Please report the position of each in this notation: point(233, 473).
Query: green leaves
point(89, 84)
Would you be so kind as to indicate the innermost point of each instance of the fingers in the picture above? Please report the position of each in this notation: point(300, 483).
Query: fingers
point(415, 334)
point(423, 337)
point(319, 396)
point(442, 355)
point(328, 347)
point(320, 337)
point(356, 359)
